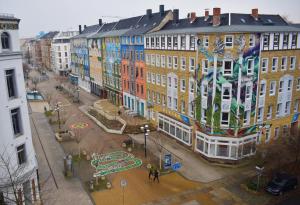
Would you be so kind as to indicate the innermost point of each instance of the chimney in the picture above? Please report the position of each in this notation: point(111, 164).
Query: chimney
point(216, 16)
point(80, 29)
point(100, 22)
point(149, 13)
point(206, 14)
point(176, 15)
point(161, 10)
point(84, 26)
point(192, 17)
point(254, 13)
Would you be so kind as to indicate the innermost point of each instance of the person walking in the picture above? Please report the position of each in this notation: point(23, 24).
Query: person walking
point(150, 173)
point(156, 173)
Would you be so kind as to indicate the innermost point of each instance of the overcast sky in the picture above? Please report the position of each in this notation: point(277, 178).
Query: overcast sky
point(47, 15)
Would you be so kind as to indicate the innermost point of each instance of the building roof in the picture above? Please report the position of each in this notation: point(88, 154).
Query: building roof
point(49, 35)
point(89, 30)
point(127, 23)
point(146, 24)
point(8, 17)
point(297, 25)
point(232, 22)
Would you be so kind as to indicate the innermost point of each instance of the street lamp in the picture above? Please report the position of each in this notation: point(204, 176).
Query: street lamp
point(57, 110)
point(146, 134)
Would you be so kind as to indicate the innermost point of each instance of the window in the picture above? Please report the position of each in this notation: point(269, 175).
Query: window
point(169, 63)
point(205, 66)
point(226, 92)
point(192, 42)
point(163, 61)
point(175, 62)
point(248, 91)
point(269, 114)
point(228, 41)
point(182, 85)
point(192, 64)
point(283, 63)
point(250, 67)
point(16, 121)
point(225, 118)
point(294, 40)
point(205, 89)
point(142, 89)
point(191, 86)
point(204, 115)
point(292, 62)
point(163, 80)
point(157, 42)
point(142, 73)
point(251, 40)
point(182, 42)
point(59, 54)
point(274, 64)
point(272, 88)
point(260, 114)
point(205, 41)
point(175, 83)
point(163, 100)
point(148, 57)
point(278, 110)
point(298, 84)
point(247, 117)
point(280, 86)
point(5, 40)
point(175, 41)
point(169, 82)
point(288, 107)
point(296, 106)
point(11, 83)
point(264, 65)
point(183, 63)
point(21, 154)
point(147, 41)
point(158, 98)
point(182, 106)
point(290, 85)
point(153, 78)
point(268, 134)
point(262, 89)
point(152, 42)
point(152, 59)
point(227, 67)
point(276, 41)
point(285, 40)
point(266, 40)
point(169, 41)
point(169, 102)
point(175, 103)
point(158, 79)
point(157, 60)
point(66, 54)
point(162, 42)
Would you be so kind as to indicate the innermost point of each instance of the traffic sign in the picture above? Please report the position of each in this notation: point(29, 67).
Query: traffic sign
point(168, 161)
point(176, 166)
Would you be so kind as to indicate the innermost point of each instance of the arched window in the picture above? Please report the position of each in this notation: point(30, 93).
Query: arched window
point(5, 40)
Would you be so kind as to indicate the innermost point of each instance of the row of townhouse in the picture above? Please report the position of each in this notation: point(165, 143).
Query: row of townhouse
point(219, 84)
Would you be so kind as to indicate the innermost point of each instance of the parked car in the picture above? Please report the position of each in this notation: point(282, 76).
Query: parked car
point(281, 183)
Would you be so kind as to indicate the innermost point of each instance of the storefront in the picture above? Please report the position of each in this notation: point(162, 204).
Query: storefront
point(176, 129)
point(225, 147)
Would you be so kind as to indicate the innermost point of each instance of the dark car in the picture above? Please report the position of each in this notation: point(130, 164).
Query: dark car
point(281, 183)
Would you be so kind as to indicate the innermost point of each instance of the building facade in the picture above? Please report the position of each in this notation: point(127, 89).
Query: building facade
point(46, 41)
point(133, 61)
point(61, 54)
point(16, 148)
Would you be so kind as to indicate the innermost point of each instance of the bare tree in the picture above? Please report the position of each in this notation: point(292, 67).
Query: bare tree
point(12, 177)
point(159, 146)
point(35, 81)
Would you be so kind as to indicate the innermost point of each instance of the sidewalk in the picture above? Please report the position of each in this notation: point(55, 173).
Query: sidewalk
point(193, 168)
point(55, 188)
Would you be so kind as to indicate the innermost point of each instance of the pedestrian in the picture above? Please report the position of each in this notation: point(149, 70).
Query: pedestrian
point(150, 173)
point(156, 173)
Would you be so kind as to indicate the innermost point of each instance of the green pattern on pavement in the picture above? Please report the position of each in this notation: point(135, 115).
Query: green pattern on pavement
point(114, 162)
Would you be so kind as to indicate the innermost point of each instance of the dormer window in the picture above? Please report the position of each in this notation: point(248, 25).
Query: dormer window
point(5, 40)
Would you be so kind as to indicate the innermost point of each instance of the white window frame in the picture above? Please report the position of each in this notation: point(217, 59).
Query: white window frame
point(231, 69)
point(247, 115)
point(260, 114)
point(292, 66)
point(204, 68)
point(264, 69)
point(163, 61)
point(270, 111)
point(228, 120)
point(182, 88)
point(227, 86)
point(251, 40)
point(153, 59)
point(262, 92)
point(225, 41)
point(205, 41)
point(192, 67)
point(169, 61)
point(175, 62)
point(274, 67)
point(290, 85)
point(205, 89)
point(153, 78)
point(183, 65)
point(163, 80)
point(296, 105)
point(298, 84)
point(284, 67)
point(280, 89)
point(157, 79)
point(272, 91)
point(157, 60)
point(251, 69)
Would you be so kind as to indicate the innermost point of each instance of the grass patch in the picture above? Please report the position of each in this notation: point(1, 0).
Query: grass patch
point(48, 113)
point(136, 129)
point(110, 124)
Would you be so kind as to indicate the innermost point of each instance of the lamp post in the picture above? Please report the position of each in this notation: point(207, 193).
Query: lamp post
point(146, 133)
point(57, 110)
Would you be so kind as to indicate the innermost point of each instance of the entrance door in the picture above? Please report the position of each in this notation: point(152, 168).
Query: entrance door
point(138, 107)
point(142, 109)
